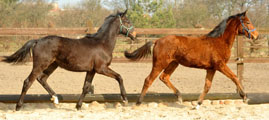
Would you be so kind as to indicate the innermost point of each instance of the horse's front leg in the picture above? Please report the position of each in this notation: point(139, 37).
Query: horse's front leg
point(86, 88)
point(228, 72)
point(208, 82)
point(110, 73)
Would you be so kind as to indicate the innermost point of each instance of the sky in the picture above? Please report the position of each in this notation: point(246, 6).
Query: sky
point(64, 2)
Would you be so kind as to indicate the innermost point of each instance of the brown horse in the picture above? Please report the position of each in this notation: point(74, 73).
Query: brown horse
point(91, 54)
point(210, 52)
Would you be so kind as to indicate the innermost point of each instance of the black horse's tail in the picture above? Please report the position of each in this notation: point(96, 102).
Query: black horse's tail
point(140, 52)
point(21, 55)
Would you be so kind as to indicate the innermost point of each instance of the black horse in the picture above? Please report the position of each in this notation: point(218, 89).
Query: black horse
point(91, 54)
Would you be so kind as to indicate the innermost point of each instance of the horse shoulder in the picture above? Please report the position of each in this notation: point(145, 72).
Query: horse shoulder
point(219, 52)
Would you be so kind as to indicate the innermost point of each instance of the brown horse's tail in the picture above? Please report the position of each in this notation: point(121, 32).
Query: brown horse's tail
point(21, 55)
point(140, 52)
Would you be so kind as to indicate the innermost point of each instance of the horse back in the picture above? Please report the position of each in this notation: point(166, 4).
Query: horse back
point(70, 54)
point(190, 51)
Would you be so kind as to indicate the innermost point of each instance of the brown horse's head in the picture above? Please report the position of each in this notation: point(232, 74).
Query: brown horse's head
point(126, 27)
point(246, 28)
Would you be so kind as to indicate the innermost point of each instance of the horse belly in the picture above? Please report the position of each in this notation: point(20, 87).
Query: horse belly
point(74, 65)
point(195, 62)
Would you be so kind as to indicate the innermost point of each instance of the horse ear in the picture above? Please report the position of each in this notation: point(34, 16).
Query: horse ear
point(118, 12)
point(245, 13)
point(125, 12)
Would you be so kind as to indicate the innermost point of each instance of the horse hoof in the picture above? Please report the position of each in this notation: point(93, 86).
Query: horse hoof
point(18, 108)
point(125, 102)
point(138, 103)
point(180, 100)
point(78, 107)
point(197, 107)
point(245, 100)
point(55, 100)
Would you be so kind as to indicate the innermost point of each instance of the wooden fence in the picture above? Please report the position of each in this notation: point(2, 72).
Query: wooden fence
point(239, 59)
point(76, 31)
point(254, 98)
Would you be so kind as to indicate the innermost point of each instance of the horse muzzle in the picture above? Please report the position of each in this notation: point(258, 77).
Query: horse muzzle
point(133, 35)
point(255, 37)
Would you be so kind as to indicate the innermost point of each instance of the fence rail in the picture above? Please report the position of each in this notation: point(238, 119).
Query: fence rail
point(75, 31)
point(254, 98)
point(239, 59)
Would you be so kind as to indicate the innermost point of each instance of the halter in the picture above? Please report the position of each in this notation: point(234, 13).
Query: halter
point(127, 28)
point(246, 29)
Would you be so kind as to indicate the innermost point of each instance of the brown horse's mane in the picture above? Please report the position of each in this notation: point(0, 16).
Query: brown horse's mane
point(220, 28)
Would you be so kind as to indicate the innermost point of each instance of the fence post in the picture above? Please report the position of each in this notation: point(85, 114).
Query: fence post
point(240, 58)
point(267, 45)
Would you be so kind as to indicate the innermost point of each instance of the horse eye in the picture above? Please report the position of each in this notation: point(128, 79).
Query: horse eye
point(247, 22)
point(127, 21)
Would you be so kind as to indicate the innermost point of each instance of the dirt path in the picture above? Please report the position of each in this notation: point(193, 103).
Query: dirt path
point(187, 80)
point(152, 111)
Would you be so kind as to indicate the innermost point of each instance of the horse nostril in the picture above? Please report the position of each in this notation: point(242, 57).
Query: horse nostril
point(134, 33)
point(256, 37)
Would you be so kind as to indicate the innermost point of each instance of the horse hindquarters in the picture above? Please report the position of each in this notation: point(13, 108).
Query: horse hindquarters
point(43, 57)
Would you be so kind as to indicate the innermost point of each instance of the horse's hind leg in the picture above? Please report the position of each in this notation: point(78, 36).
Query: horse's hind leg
point(226, 71)
point(208, 82)
point(42, 79)
point(165, 76)
point(148, 81)
point(86, 88)
point(27, 84)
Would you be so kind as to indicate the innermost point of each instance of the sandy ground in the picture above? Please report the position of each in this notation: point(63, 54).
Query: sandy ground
point(187, 80)
point(148, 111)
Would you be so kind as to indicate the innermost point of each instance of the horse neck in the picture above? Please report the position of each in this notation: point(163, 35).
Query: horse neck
point(109, 35)
point(230, 32)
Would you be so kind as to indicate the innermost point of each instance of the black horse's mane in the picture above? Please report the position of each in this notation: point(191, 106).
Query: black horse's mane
point(219, 29)
point(104, 27)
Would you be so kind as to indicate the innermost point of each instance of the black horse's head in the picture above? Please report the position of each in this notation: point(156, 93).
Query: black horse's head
point(126, 27)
